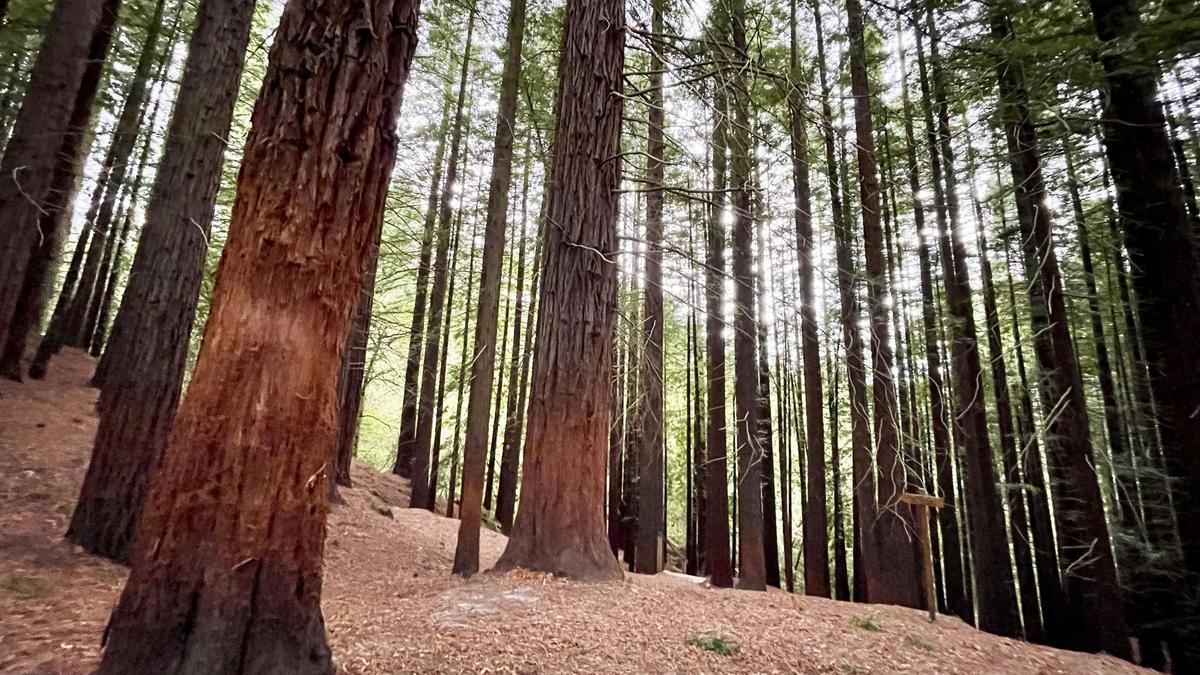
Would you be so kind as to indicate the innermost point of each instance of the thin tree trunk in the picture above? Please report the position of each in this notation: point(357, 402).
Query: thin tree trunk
point(466, 556)
point(995, 595)
point(954, 579)
point(651, 507)
point(716, 519)
point(426, 408)
point(407, 439)
point(510, 456)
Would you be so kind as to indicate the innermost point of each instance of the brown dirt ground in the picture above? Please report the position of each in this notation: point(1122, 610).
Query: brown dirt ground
point(391, 605)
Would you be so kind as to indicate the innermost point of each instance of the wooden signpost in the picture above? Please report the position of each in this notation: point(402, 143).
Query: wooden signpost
point(921, 504)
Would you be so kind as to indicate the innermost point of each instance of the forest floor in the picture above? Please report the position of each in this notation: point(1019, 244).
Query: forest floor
point(391, 605)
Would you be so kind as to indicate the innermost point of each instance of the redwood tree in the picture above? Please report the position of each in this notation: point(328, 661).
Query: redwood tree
point(41, 129)
point(559, 526)
point(147, 351)
point(227, 569)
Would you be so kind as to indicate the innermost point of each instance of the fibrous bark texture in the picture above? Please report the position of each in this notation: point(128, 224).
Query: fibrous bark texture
point(147, 352)
point(559, 526)
point(227, 570)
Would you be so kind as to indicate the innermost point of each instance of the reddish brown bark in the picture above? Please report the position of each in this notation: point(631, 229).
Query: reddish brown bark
point(227, 569)
point(816, 519)
point(559, 527)
point(147, 352)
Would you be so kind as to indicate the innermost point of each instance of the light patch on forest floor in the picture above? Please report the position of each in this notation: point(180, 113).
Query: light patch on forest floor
point(391, 605)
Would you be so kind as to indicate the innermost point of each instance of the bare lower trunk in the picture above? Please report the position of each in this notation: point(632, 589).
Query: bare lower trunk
point(227, 568)
point(559, 527)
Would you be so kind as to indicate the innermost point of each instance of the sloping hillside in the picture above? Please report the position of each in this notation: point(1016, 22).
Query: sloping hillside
point(391, 606)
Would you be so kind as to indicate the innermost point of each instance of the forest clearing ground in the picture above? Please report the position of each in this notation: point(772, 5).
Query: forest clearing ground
point(391, 605)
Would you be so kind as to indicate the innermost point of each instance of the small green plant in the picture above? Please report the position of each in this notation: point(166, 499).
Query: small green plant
point(867, 623)
point(914, 641)
point(851, 669)
point(24, 588)
point(714, 643)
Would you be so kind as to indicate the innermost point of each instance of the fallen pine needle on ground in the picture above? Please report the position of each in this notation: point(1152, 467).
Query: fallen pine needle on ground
point(391, 604)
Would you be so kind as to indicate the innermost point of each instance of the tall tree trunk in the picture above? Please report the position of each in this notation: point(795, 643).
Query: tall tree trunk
point(896, 582)
point(863, 512)
point(54, 215)
point(426, 408)
point(42, 128)
point(227, 568)
point(82, 315)
point(148, 346)
point(466, 556)
point(752, 562)
point(995, 595)
point(510, 456)
point(560, 525)
point(954, 576)
point(1162, 252)
point(716, 518)
point(816, 519)
point(1031, 618)
point(407, 438)
point(651, 508)
point(1090, 579)
point(351, 377)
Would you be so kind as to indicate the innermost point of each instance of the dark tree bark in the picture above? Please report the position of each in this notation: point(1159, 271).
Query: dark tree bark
point(765, 423)
point(352, 376)
point(42, 128)
point(54, 217)
point(1096, 621)
point(466, 556)
point(954, 576)
point(82, 316)
point(407, 438)
point(227, 569)
point(559, 527)
point(147, 350)
point(510, 455)
point(426, 407)
point(651, 536)
point(896, 582)
point(995, 595)
point(866, 562)
point(1031, 618)
point(841, 572)
point(1162, 252)
point(751, 561)
point(716, 518)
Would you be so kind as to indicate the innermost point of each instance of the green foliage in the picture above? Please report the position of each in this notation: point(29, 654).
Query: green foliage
point(866, 623)
point(714, 643)
point(914, 641)
point(24, 588)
